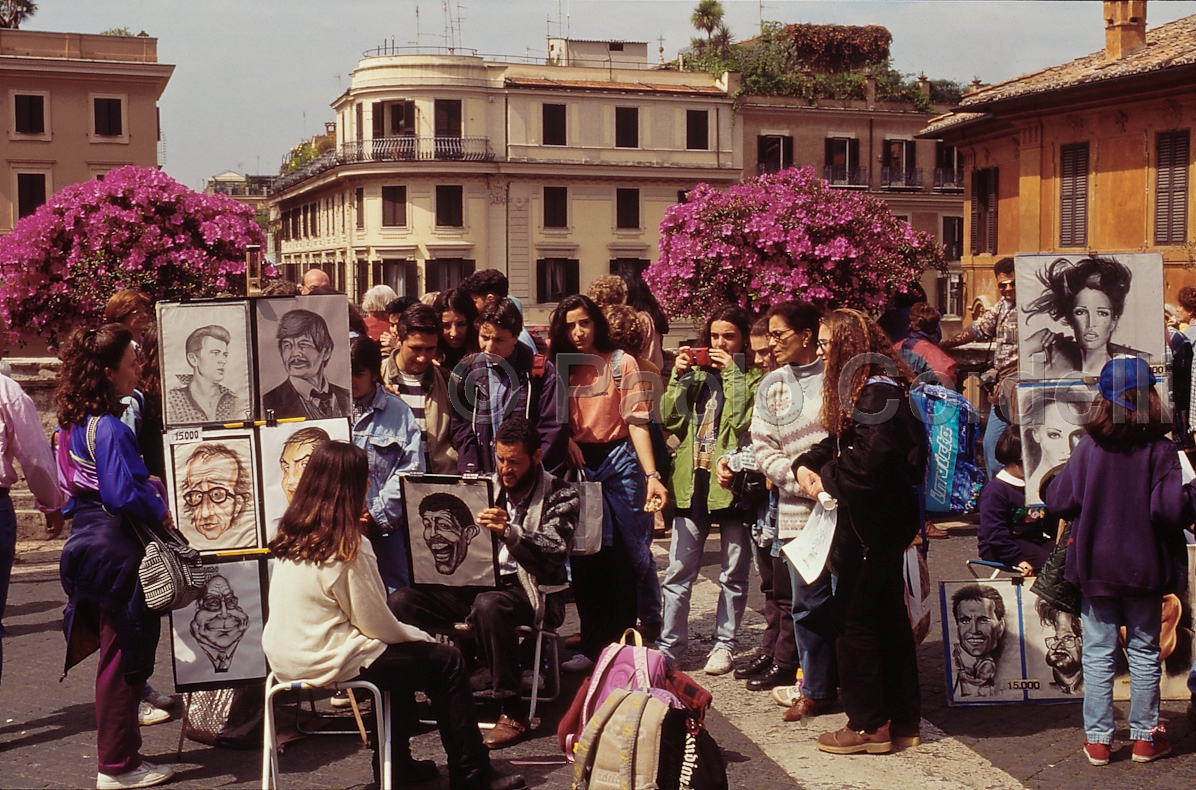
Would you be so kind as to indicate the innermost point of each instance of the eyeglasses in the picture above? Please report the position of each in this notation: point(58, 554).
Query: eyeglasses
point(779, 335)
point(1068, 641)
point(217, 496)
point(1005, 284)
point(823, 345)
point(212, 602)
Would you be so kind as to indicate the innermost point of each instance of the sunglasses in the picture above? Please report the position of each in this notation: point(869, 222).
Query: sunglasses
point(1005, 284)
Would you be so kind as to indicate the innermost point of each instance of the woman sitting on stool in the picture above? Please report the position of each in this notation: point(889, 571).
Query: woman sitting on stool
point(329, 622)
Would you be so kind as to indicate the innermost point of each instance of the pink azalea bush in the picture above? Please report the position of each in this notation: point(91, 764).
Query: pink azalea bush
point(784, 236)
point(137, 228)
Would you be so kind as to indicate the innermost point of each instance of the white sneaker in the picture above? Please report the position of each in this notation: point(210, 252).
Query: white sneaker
point(145, 775)
point(341, 699)
point(147, 714)
point(719, 662)
point(578, 663)
point(785, 695)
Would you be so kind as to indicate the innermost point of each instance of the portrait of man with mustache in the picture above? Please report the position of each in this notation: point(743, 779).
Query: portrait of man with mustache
point(305, 345)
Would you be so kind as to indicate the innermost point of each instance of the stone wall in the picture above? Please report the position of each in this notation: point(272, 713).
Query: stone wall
point(37, 376)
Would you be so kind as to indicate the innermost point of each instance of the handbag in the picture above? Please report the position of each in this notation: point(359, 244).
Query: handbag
point(587, 538)
point(1051, 584)
point(171, 573)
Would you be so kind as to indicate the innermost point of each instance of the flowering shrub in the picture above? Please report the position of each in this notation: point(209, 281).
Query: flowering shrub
point(137, 228)
point(784, 236)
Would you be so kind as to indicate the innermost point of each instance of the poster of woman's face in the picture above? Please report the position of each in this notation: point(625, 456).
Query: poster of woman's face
point(286, 449)
point(206, 361)
point(303, 356)
point(217, 640)
point(213, 487)
point(447, 547)
point(1053, 416)
point(982, 640)
point(1076, 312)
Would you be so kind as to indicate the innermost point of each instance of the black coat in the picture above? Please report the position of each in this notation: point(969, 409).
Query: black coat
point(873, 469)
point(286, 403)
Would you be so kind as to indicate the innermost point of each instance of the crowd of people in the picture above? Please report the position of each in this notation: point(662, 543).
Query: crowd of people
point(746, 429)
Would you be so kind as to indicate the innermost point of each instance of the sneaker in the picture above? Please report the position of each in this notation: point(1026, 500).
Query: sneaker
point(719, 662)
point(341, 699)
point(1098, 753)
point(157, 698)
point(1149, 751)
point(786, 695)
point(144, 775)
point(147, 714)
point(578, 664)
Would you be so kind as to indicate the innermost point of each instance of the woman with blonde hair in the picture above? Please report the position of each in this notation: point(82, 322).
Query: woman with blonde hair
point(871, 462)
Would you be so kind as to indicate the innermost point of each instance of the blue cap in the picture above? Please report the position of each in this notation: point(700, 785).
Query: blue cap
point(1122, 374)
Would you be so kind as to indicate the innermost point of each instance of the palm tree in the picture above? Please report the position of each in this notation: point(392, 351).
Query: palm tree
point(14, 12)
point(707, 16)
point(720, 38)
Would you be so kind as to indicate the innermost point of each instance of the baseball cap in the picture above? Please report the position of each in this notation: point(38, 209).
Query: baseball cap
point(1122, 374)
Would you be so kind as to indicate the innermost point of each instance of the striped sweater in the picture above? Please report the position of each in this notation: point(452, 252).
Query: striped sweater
point(786, 424)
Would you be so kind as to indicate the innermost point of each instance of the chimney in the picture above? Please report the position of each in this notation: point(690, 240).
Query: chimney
point(924, 85)
point(870, 88)
point(1125, 27)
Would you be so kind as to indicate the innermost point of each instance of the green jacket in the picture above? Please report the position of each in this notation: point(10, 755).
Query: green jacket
point(677, 406)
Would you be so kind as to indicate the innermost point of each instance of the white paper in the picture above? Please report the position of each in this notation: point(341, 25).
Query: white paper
point(809, 550)
point(1185, 468)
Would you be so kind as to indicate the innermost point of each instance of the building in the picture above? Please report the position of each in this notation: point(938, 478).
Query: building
point(253, 191)
point(1092, 155)
point(447, 163)
point(74, 107)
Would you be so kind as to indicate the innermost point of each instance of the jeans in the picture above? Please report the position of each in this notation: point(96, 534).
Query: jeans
point(685, 560)
point(814, 631)
point(8, 554)
point(992, 432)
point(1102, 617)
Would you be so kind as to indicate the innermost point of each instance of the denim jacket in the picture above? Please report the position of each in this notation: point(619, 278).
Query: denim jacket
point(387, 431)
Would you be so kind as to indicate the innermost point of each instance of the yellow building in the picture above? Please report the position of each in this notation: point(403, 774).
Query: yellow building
point(1088, 156)
point(74, 107)
point(554, 174)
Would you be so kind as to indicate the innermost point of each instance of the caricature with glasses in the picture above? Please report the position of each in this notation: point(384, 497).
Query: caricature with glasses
point(219, 623)
point(216, 491)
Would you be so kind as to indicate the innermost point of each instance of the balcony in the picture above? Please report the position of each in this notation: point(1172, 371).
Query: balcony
point(899, 178)
point(948, 180)
point(838, 176)
point(391, 149)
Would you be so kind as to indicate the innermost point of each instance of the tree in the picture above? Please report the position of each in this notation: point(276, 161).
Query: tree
point(707, 16)
point(783, 236)
point(136, 228)
point(14, 12)
point(116, 31)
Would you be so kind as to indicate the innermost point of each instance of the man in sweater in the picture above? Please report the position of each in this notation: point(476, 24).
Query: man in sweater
point(409, 373)
point(534, 519)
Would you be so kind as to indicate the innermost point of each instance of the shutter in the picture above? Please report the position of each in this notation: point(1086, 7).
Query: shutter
point(1164, 173)
point(974, 240)
point(1179, 189)
point(542, 280)
point(911, 156)
point(1171, 192)
point(410, 278)
point(379, 121)
point(572, 276)
point(830, 152)
point(786, 152)
point(1073, 195)
point(991, 240)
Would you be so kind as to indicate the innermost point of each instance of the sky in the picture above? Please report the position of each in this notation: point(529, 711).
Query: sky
point(255, 77)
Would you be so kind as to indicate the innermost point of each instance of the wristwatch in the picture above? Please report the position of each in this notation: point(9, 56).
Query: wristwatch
point(652, 475)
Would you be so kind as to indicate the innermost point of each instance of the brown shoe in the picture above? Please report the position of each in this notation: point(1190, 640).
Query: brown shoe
point(506, 732)
point(805, 706)
point(906, 736)
point(935, 531)
point(849, 741)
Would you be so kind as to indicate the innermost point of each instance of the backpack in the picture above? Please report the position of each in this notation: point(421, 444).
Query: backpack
point(953, 480)
point(634, 741)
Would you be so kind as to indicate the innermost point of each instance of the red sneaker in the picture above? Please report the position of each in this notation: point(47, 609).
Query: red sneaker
point(1149, 751)
point(1098, 753)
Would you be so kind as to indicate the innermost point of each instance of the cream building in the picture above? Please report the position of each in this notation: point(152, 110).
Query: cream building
point(445, 164)
point(74, 106)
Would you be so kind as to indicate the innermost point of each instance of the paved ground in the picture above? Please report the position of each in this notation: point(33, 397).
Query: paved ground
point(47, 728)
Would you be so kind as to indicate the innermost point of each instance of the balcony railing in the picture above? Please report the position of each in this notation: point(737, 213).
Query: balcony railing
point(391, 149)
point(845, 176)
point(948, 180)
point(899, 178)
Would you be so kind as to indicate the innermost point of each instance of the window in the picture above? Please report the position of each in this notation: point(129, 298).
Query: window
point(108, 118)
point(774, 153)
point(898, 165)
point(556, 207)
point(630, 269)
point(30, 114)
point(627, 208)
point(449, 209)
point(31, 193)
point(697, 130)
point(401, 275)
point(441, 274)
point(360, 203)
point(949, 289)
point(554, 125)
point(1171, 188)
point(402, 119)
point(843, 162)
point(361, 278)
point(948, 167)
point(952, 238)
point(984, 211)
point(615, 46)
point(682, 195)
point(556, 278)
point(394, 207)
point(627, 127)
point(1073, 195)
point(448, 129)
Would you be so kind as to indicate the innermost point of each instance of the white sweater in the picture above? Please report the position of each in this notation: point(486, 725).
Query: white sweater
point(786, 424)
point(328, 620)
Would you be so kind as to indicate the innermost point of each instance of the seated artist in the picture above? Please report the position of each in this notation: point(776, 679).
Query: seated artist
point(534, 518)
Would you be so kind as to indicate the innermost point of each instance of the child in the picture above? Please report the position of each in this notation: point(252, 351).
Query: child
point(1122, 486)
point(1008, 532)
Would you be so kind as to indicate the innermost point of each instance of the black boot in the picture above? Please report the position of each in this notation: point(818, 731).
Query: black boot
point(775, 676)
point(761, 663)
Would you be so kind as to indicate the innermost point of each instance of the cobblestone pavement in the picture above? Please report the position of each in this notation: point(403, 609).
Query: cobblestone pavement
point(47, 728)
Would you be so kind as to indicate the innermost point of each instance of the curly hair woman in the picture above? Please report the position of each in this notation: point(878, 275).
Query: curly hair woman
point(100, 466)
point(871, 463)
point(1089, 296)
